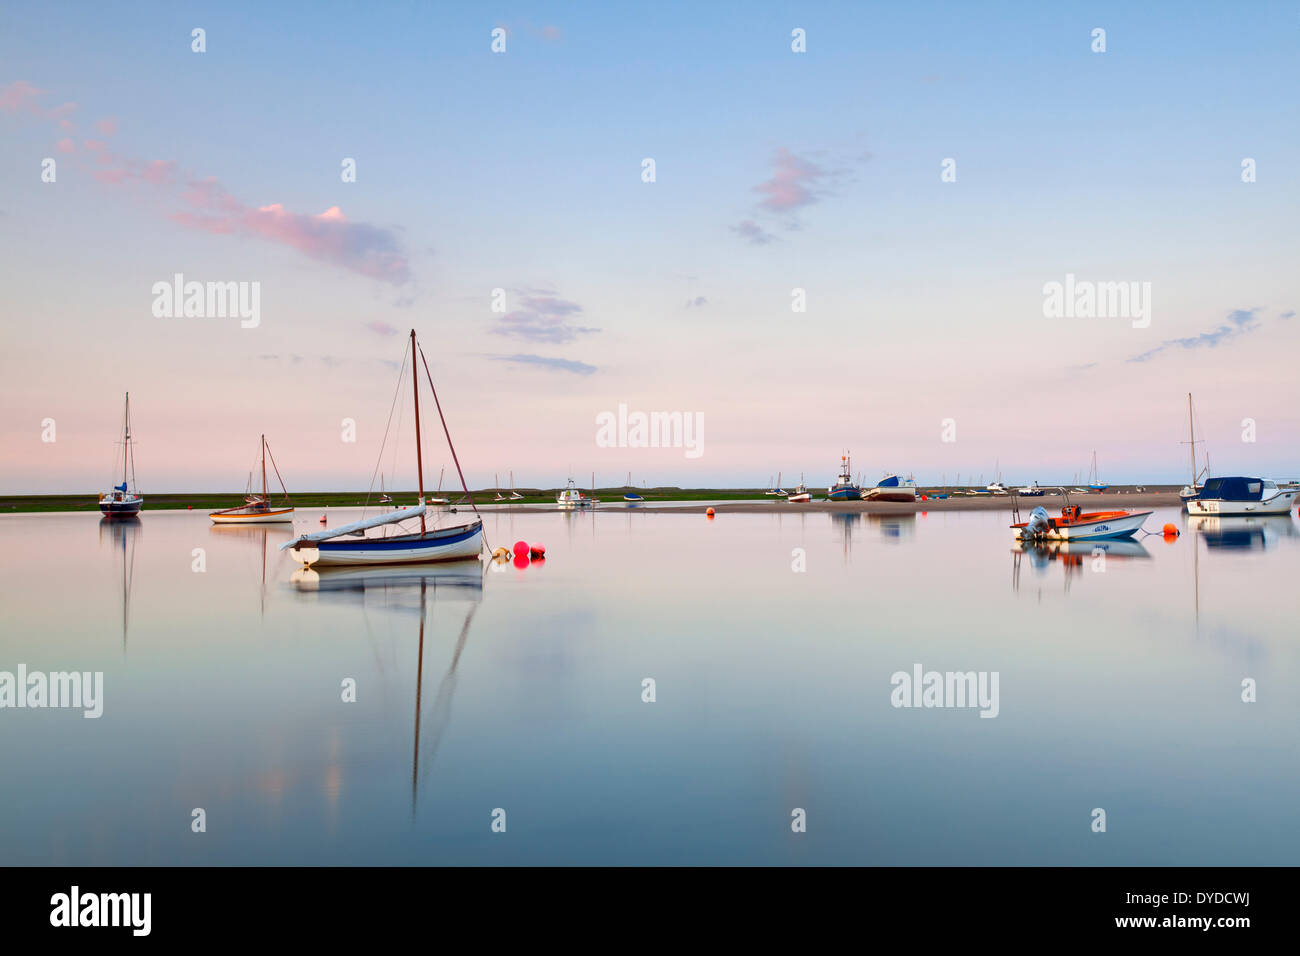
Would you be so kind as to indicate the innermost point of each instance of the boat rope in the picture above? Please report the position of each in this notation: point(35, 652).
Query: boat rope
point(277, 471)
point(447, 432)
point(379, 463)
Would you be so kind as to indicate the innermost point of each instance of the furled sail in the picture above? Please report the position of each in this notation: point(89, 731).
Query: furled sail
point(389, 517)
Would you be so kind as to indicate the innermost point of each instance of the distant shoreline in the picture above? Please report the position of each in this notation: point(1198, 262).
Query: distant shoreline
point(671, 500)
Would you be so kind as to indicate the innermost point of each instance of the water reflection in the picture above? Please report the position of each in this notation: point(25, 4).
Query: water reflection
point(1244, 532)
point(122, 535)
point(844, 522)
point(260, 536)
point(401, 587)
point(898, 527)
point(1070, 556)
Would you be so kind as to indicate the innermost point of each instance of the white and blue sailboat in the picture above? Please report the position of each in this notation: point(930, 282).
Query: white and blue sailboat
point(350, 545)
point(121, 502)
point(632, 494)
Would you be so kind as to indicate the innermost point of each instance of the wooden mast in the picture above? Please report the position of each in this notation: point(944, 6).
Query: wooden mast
point(1191, 434)
point(419, 456)
point(263, 469)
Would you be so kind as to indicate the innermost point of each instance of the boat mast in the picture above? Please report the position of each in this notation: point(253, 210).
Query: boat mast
point(126, 436)
point(263, 468)
point(1191, 434)
point(419, 457)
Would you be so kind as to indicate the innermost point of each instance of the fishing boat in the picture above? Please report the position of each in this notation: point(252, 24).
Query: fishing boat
point(1193, 489)
point(800, 493)
point(1242, 496)
point(571, 497)
point(1075, 524)
point(1094, 478)
point(121, 501)
point(844, 489)
point(1031, 491)
point(257, 509)
point(893, 488)
point(350, 545)
point(631, 495)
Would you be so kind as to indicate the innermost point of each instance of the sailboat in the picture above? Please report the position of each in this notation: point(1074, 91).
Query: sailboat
point(437, 498)
point(1194, 489)
point(778, 490)
point(384, 497)
point(514, 495)
point(497, 481)
point(121, 502)
point(348, 544)
point(1094, 479)
point(631, 495)
point(257, 508)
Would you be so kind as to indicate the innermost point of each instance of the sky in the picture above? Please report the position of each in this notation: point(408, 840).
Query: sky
point(920, 173)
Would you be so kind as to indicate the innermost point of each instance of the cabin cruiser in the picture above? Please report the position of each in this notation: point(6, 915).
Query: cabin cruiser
point(1239, 495)
point(893, 488)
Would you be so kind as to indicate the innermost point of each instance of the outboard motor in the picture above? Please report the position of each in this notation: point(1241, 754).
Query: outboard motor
point(1037, 525)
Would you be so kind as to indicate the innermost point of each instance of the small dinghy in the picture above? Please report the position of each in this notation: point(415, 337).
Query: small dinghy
point(257, 509)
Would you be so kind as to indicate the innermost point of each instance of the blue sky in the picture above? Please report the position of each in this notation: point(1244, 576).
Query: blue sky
point(522, 171)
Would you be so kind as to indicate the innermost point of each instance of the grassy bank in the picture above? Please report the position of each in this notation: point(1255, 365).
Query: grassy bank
point(13, 504)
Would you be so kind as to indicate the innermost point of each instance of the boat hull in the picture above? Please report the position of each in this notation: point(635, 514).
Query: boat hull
point(240, 516)
point(844, 494)
point(1279, 504)
point(447, 544)
point(891, 494)
point(129, 508)
point(800, 498)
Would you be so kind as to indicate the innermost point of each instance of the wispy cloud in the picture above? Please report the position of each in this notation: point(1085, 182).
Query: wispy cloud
point(1237, 323)
point(554, 364)
point(792, 185)
point(328, 237)
point(697, 303)
point(542, 317)
point(382, 328)
point(753, 233)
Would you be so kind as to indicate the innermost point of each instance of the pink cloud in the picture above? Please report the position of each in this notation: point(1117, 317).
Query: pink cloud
point(66, 146)
point(327, 237)
point(19, 95)
point(791, 184)
point(107, 126)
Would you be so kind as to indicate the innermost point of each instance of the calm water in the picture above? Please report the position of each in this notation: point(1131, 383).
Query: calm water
point(1118, 688)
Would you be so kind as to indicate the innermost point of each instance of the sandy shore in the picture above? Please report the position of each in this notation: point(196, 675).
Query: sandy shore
point(1053, 503)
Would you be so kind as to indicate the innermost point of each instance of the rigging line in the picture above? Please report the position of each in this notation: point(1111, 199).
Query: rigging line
point(277, 471)
point(446, 432)
point(379, 463)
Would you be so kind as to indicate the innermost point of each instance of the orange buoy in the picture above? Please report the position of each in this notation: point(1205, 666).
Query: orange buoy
point(709, 512)
point(322, 519)
point(1170, 530)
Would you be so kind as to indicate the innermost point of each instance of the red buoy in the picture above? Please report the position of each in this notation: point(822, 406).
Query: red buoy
point(537, 551)
point(189, 507)
point(709, 512)
point(521, 561)
point(521, 547)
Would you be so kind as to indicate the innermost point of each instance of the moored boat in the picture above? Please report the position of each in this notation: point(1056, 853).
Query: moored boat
point(844, 488)
point(571, 497)
point(123, 501)
point(893, 488)
point(631, 495)
point(349, 545)
point(800, 493)
point(257, 509)
point(1075, 524)
point(1238, 495)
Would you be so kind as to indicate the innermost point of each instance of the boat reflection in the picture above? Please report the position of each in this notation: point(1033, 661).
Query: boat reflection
point(895, 527)
point(411, 587)
point(1242, 532)
point(260, 535)
point(1071, 555)
point(122, 536)
point(846, 522)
